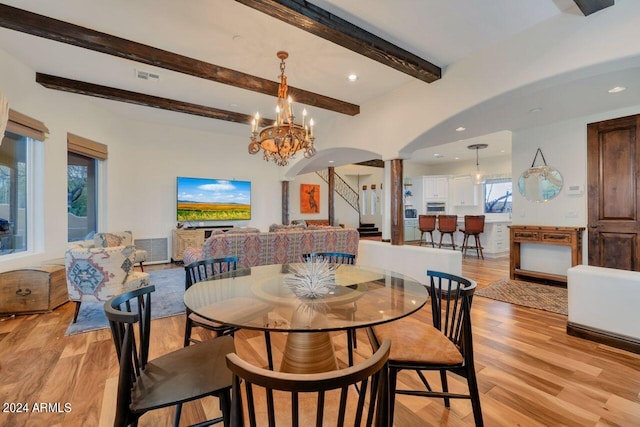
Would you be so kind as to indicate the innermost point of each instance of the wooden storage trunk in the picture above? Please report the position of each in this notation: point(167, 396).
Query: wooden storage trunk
point(33, 289)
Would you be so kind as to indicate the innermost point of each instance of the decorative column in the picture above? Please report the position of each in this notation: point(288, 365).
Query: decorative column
point(285, 202)
point(331, 195)
point(397, 214)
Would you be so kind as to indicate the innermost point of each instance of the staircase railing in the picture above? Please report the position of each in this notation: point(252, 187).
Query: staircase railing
point(343, 189)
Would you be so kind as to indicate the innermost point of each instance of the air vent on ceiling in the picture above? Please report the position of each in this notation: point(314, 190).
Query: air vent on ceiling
point(145, 75)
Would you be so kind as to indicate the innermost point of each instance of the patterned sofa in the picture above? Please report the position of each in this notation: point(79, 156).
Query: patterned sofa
point(254, 248)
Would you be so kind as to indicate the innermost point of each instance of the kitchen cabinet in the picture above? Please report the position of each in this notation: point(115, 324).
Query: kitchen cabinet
point(428, 189)
point(436, 187)
point(464, 191)
point(496, 242)
point(411, 230)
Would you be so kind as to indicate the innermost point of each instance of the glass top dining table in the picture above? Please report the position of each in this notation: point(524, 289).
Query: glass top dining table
point(260, 298)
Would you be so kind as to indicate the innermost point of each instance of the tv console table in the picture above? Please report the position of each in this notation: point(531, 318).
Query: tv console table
point(543, 235)
point(184, 237)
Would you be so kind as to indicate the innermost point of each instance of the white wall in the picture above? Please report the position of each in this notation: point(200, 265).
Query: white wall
point(144, 161)
point(564, 145)
point(355, 176)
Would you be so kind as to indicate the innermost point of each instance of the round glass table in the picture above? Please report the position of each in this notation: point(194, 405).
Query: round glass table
point(260, 298)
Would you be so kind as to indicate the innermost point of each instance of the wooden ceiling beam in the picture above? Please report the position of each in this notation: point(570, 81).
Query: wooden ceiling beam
point(592, 6)
point(113, 94)
point(64, 32)
point(322, 23)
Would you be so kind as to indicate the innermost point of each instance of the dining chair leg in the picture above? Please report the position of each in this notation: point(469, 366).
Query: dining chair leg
point(391, 386)
point(445, 387)
point(225, 406)
point(187, 332)
point(267, 340)
point(176, 419)
point(350, 345)
point(475, 397)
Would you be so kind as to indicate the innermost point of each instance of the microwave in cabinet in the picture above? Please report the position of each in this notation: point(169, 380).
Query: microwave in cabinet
point(411, 213)
point(436, 208)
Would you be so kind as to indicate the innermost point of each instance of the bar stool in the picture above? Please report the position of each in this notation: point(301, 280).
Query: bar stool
point(473, 226)
point(426, 224)
point(447, 224)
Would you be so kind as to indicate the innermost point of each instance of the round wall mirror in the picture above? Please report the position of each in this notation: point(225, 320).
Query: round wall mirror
point(540, 183)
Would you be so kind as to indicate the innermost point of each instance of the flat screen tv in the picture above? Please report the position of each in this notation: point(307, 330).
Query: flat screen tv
point(204, 199)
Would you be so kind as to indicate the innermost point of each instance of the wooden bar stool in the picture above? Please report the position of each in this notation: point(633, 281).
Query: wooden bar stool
point(426, 224)
point(447, 224)
point(473, 226)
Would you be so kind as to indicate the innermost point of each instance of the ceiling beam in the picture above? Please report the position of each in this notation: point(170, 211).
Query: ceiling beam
point(64, 32)
point(591, 6)
point(113, 94)
point(321, 23)
point(376, 163)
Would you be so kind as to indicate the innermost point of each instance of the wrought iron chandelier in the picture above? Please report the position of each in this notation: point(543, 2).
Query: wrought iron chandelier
point(282, 140)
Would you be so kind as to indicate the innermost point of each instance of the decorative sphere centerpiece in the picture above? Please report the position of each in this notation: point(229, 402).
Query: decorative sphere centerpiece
point(312, 279)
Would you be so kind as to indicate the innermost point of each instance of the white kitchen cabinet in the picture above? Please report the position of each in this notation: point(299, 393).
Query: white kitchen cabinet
point(411, 230)
point(436, 187)
point(495, 238)
point(464, 191)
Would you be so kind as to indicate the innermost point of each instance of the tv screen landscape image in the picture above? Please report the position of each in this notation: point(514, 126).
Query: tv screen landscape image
point(204, 199)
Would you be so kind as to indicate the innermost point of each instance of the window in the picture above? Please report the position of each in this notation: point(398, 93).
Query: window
point(81, 196)
point(21, 182)
point(14, 175)
point(83, 162)
point(498, 195)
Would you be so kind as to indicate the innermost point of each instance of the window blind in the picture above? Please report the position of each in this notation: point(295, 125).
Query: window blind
point(86, 147)
point(24, 125)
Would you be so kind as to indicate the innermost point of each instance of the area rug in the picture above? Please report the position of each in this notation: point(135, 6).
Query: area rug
point(534, 295)
point(165, 301)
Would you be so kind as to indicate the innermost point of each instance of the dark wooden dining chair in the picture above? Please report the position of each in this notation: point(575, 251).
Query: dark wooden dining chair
point(208, 269)
point(447, 346)
point(473, 226)
point(356, 395)
point(331, 257)
point(426, 224)
point(447, 224)
point(183, 375)
point(340, 258)
point(196, 272)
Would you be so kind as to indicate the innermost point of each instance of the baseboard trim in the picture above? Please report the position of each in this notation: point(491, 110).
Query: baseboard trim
point(603, 337)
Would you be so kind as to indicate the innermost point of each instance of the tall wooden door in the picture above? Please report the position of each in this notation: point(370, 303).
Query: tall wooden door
point(613, 172)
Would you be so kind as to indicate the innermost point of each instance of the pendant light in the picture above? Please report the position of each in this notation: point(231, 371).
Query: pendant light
point(479, 175)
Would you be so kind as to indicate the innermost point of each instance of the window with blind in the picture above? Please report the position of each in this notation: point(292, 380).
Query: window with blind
point(83, 161)
point(17, 172)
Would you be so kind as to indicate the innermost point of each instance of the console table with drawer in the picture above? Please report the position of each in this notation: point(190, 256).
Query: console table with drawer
point(543, 235)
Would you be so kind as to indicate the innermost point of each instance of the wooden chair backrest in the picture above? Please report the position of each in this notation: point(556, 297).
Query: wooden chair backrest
point(447, 223)
point(427, 222)
point(473, 224)
point(369, 375)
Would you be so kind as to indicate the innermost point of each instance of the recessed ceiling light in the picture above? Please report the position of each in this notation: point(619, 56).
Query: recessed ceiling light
point(233, 105)
point(617, 89)
point(457, 158)
point(535, 110)
point(460, 129)
point(437, 155)
point(352, 77)
point(332, 161)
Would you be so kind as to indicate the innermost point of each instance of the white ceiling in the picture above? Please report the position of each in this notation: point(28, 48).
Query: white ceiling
point(232, 35)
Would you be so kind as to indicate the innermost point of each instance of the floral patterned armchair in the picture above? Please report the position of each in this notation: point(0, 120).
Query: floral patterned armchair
point(124, 238)
point(97, 274)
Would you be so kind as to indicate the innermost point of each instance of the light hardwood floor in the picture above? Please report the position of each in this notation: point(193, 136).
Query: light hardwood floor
point(530, 372)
